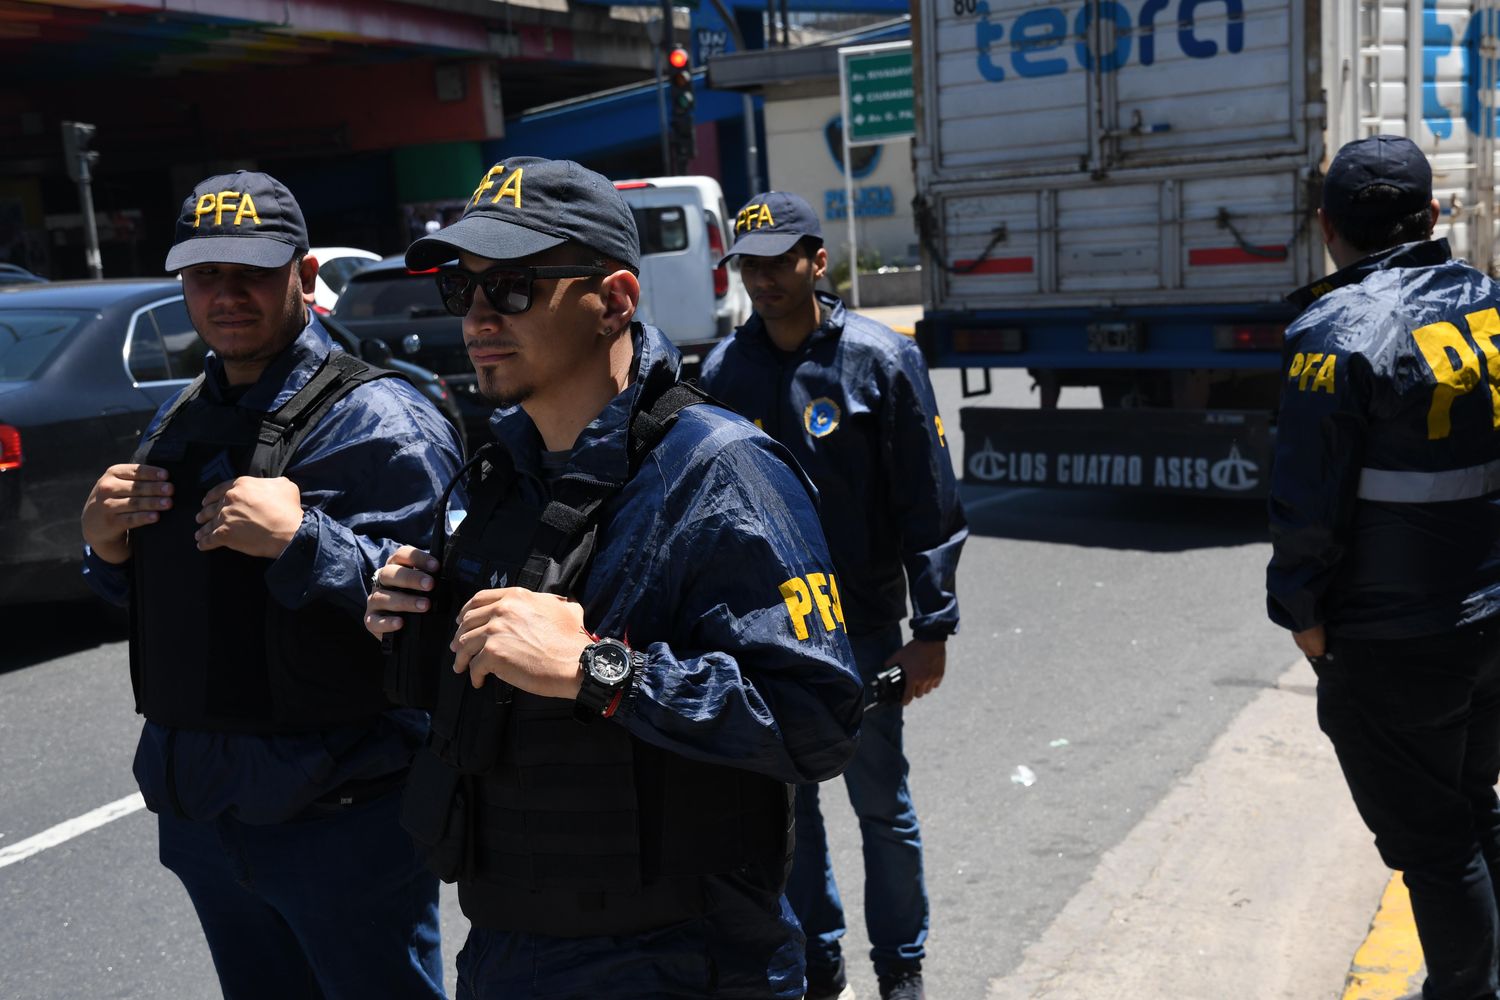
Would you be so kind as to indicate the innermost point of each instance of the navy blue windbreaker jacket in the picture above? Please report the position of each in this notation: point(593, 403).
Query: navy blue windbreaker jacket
point(856, 409)
point(710, 559)
point(1385, 492)
point(369, 472)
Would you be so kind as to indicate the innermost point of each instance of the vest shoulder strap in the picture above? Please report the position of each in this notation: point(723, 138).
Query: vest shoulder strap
point(652, 423)
point(283, 429)
point(576, 500)
point(194, 388)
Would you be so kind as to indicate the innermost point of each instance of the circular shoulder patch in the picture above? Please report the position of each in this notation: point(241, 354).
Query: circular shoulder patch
point(821, 417)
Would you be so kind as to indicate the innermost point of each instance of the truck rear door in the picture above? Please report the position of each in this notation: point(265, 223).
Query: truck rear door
point(1115, 152)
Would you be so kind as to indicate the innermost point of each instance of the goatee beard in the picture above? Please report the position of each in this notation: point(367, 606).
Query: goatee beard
point(502, 399)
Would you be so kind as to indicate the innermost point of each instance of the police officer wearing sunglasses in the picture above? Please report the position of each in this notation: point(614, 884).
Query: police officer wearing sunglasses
point(640, 644)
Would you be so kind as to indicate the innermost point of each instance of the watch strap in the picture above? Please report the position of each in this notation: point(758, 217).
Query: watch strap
point(597, 700)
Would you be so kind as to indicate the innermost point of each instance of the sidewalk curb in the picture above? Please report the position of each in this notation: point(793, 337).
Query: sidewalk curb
point(1388, 966)
point(1254, 870)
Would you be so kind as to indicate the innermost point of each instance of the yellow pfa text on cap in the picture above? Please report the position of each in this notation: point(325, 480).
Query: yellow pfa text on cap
point(238, 202)
point(510, 186)
point(753, 217)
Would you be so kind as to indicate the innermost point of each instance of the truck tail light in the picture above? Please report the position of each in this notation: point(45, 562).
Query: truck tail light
point(10, 447)
point(716, 247)
point(988, 340)
point(1249, 337)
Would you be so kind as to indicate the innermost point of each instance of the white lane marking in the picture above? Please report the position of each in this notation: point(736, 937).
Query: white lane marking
point(69, 829)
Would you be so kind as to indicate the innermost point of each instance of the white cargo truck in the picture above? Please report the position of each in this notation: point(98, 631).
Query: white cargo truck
point(1119, 193)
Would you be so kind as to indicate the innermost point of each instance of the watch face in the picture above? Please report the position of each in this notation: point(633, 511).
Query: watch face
point(610, 663)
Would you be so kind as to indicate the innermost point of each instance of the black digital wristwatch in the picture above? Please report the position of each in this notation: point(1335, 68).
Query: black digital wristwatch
point(607, 666)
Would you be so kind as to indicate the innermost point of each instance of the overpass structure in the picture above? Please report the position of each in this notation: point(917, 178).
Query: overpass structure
point(363, 107)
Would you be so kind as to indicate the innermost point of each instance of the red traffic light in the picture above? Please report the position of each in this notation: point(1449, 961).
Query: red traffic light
point(677, 57)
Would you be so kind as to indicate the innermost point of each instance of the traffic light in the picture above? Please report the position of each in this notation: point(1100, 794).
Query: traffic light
point(77, 156)
point(683, 139)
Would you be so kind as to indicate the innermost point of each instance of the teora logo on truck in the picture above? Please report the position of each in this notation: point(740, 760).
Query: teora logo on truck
point(1038, 38)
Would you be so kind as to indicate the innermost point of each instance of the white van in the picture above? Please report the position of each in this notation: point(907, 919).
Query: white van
point(684, 230)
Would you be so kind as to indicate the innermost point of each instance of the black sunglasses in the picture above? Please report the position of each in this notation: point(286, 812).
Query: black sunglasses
point(508, 287)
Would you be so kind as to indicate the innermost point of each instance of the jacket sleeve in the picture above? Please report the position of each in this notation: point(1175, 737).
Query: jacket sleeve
point(923, 496)
point(1320, 437)
point(757, 672)
point(370, 479)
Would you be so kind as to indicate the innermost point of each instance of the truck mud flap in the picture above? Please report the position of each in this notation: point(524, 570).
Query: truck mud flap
point(1205, 453)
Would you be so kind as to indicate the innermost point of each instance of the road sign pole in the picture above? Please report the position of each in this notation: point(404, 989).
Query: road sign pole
point(661, 113)
point(90, 228)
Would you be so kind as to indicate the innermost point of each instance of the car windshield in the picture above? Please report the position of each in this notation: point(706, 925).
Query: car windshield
point(28, 337)
point(394, 293)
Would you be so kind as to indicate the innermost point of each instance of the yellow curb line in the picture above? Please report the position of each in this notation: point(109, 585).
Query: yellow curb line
point(1391, 957)
point(905, 331)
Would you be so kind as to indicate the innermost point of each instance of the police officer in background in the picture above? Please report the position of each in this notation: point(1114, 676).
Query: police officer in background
point(244, 534)
point(649, 649)
point(850, 398)
point(1385, 522)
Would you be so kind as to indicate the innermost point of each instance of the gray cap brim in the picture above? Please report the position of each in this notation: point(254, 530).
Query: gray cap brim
point(252, 251)
point(761, 245)
point(482, 236)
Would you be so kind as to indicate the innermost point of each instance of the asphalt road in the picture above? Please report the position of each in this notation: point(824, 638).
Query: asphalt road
point(1107, 643)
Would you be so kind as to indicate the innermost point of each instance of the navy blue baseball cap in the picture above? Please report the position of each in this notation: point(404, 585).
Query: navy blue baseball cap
point(770, 224)
point(241, 218)
point(1390, 160)
point(524, 205)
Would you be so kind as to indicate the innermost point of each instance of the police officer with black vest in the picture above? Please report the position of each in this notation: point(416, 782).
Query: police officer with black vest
point(1385, 522)
point(243, 534)
point(649, 646)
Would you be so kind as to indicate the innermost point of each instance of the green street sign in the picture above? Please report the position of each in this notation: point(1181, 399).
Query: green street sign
point(879, 95)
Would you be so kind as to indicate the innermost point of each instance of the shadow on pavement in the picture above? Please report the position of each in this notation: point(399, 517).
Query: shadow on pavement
point(1144, 522)
point(36, 633)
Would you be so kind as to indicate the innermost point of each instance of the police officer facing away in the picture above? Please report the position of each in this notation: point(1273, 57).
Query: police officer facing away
point(850, 398)
point(244, 534)
point(1385, 520)
point(650, 647)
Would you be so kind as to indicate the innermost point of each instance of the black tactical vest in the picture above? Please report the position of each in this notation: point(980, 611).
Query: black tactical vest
point(555, 827)
point(209, 649)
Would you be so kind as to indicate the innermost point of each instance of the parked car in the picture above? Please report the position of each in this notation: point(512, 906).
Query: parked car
point(83, 367)
point(385, 301)
point(335, 266)
point(378, 353)
point(684, 229)
point(15, 274)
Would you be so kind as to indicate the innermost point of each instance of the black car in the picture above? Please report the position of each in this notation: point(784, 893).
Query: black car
point(15, 274)
point(83, 367)
point(378, 353)
point(385, 301)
